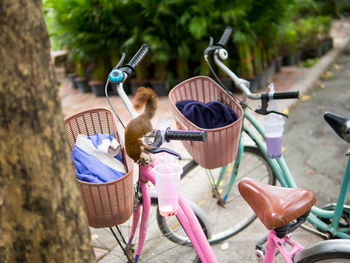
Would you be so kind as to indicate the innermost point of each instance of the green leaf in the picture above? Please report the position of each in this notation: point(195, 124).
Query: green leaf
point(198, 27)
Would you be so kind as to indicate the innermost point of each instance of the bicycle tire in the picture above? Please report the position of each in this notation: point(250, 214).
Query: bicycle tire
point(223, 224)
point(335, 250)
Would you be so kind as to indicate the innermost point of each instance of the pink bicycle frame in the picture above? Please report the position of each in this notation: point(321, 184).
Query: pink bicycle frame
point(274, 242)
point(185, 215)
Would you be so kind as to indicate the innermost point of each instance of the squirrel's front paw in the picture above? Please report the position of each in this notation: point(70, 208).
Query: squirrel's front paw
point(144, 159)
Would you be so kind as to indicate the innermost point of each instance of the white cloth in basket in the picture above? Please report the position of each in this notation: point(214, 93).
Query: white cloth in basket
point(97, 158)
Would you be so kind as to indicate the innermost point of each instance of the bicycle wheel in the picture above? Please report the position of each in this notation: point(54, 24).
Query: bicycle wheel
point(336, 250)
point(226, 218)
point(157, 247)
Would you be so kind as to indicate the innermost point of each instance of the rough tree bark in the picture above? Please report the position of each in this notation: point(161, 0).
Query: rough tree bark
point(41, 214)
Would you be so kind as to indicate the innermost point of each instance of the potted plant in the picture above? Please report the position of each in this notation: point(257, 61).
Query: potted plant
point(82, 80)
point(72, 76)
point(98, 79)
point(243, 42)
point(289, 45)
point(314, 31)
point(325, 38)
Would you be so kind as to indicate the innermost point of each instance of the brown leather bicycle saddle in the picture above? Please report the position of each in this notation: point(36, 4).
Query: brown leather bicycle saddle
point(276, 206)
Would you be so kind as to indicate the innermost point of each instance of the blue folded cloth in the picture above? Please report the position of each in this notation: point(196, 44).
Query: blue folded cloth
point(97, 158)
point(213, 114)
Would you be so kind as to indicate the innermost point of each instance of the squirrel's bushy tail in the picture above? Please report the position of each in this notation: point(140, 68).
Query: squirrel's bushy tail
point(146, 96)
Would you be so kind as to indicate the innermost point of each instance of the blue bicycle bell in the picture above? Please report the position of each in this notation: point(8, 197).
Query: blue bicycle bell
point(116, 76)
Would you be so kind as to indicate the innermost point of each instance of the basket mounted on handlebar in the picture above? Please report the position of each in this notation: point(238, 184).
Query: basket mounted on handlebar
point(105, 204)
point(222, 143)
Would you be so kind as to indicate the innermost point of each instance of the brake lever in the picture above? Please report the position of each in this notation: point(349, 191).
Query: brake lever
point(166, 150)
point(116, 75)
point(157, 142)
point(266, 112)
point(211, 47)
point(121, 61)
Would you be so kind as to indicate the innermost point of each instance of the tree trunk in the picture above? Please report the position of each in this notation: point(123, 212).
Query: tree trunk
point(41, 213)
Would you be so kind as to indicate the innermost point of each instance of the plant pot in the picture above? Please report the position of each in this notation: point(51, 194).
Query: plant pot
point(270, 72)
point(289, 59)
point(292, 59)
point(278, 63)
point(263, 78)
point(255, 82)
point(135, 84)
point(159, 87)
point(114, 92)
point(127, 87)
point(98, 87)
point(327, 44)
point(318, 51)
point(83, 85)
point(228, 84)
point(314, 52)
point(72, 77)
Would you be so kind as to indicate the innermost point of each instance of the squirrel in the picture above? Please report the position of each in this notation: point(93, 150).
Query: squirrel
point(141, 126)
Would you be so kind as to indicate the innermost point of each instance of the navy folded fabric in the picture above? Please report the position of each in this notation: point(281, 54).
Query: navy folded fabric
point(213, 114)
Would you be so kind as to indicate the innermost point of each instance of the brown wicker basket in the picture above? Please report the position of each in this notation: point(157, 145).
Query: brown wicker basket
point(222, 143)
point(106, 204)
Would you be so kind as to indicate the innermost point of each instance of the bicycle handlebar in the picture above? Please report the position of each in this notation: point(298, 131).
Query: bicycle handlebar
point(181, 135)
point(266, 96)
point(168, 135)
point(211, 49)
point(225, 36)
point(285, 95)
point(243, 85)
point(120, 74)
point(139, 56)
point(219, 53)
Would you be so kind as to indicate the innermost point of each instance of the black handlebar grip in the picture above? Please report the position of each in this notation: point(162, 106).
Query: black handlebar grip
point(140, 54)
point(185, 135)
point(286, 95)
point(225, 36)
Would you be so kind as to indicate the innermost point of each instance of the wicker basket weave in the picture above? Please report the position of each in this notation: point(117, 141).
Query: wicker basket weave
point(222, 143)
point(106, 204)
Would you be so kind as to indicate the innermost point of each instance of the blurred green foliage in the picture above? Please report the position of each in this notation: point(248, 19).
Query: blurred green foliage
point(178, 31)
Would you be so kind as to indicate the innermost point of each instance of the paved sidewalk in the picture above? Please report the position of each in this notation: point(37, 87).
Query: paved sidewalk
point(289, 78)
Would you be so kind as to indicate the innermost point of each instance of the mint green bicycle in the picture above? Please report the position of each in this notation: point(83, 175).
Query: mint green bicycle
point(220, 198)
point(333, 219)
